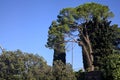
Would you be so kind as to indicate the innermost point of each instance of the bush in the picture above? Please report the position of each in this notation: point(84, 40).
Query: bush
point(112, 67)
point(62, 71)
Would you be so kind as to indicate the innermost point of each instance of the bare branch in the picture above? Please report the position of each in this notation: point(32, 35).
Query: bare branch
point(2, 49)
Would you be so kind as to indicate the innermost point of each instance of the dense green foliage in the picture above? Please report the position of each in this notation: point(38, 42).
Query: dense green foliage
point(102, 38)
point(111, 67)
point(62, 71)
point(17, 65)
point(117, 40)
point(23, 66)
point(80, 75)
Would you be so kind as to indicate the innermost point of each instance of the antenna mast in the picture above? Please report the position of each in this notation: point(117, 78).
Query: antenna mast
point(1, 49)
point(72, 54)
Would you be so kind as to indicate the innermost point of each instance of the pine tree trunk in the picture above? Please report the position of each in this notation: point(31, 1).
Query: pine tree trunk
point(86, 49)
point(87, 58)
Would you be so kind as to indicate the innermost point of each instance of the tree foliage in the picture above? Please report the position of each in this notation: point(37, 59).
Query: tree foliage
point(111, 67)
point(62, 71)
point(16, 65)
point(88, 11)
point(102, 38)
point(56, 40)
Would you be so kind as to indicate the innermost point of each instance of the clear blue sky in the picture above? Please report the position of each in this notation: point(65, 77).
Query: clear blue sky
point(24, 25)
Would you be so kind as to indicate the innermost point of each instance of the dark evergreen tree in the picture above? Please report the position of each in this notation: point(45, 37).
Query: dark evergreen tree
point(117, 40)
point(56, 41)
point(102, 36)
